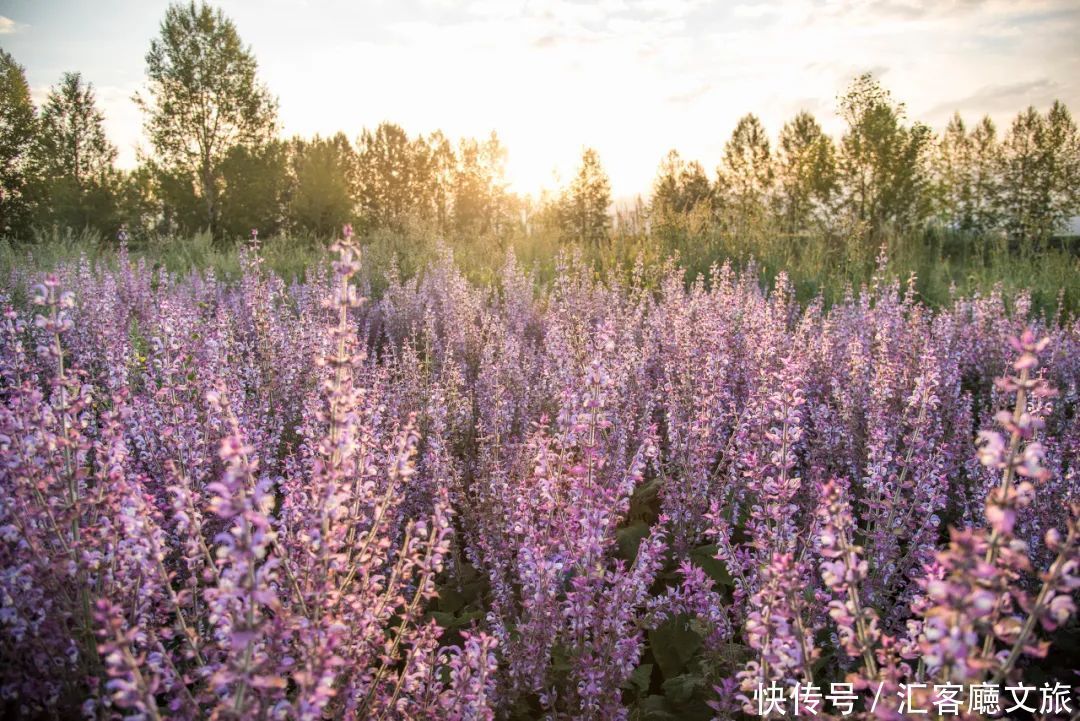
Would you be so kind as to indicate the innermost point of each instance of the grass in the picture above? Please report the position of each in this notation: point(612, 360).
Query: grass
point(826, 265)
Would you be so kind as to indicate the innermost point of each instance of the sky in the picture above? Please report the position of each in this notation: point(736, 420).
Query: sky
point(630, 78)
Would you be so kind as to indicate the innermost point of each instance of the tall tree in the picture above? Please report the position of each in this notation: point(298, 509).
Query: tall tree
point(479, 186)
point(1063, 160)
point(203, 98)
point(500, 203)
point(805, 173)
point(17, 128)
point(323, 194)
point(138, 200)
point(1041, 169)
point(883, 161)
point(393, 174)
point(1024, 182)
point(255, 182)
point(440, 179)
point(745, 177)
point(953, 188)
point(984, 172)
point(967, 168)
point(75, 159)
point(585, 203)
point(682, 197)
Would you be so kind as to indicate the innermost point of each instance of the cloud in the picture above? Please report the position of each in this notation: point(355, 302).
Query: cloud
point(689, 96)
point(1011, 96)
point(668, 9)
point(10, 27)
point(753, 12)
point(926, 15)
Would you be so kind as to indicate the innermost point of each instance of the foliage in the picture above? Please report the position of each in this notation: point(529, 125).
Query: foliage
point(882, 160)
point(202, 98)
point(683, 200)
point(74, 160)
point(1040, 172)
point(480, 203)
point(256, 183)
point(806, 174)
point(583, 208)
point(745, 178)
point(324, 182)
point(17, 130)
point(397, 177)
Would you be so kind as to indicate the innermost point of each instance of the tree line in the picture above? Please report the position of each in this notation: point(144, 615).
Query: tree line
point(885, 173)
point(216, 163)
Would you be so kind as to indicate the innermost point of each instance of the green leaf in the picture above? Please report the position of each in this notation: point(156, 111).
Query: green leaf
point(659, 708)
point(681, 689)
point(560, 659)
point(673, 644)
point(644, 500)
point(629, 538)
point(452, 621)
point(450, 599)
point(705, 558)
point(655, 708)
point(735, 654)
point(639, 679)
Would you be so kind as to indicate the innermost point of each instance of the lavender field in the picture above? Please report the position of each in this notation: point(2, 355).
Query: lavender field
point(602, 500)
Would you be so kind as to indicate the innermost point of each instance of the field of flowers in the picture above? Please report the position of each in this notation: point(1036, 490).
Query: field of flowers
point(603, 500)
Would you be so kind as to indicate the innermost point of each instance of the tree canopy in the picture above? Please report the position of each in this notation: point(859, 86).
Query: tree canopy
point(203, 97)
point(17, 130)
point(75, 159)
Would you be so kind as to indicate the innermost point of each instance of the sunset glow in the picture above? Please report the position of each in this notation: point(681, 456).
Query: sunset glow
point(631, 78)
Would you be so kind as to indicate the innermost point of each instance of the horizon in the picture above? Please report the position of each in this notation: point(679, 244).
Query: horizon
point(632, 79)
